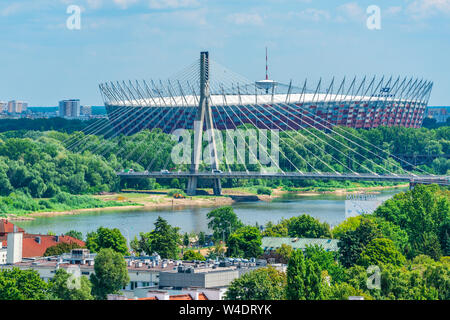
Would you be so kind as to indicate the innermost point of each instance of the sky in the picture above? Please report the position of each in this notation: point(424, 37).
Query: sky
point(43, 61)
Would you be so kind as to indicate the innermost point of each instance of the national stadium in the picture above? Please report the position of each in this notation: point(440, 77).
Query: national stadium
point(367, 102)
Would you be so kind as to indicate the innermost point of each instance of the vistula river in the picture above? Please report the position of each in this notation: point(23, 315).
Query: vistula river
point(327, 208)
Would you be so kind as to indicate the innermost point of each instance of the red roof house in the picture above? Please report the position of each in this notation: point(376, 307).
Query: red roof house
point(34, 245)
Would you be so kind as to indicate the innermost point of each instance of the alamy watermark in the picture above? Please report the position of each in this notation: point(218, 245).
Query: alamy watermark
point(74, 281)
point(361, 203)
point(374, 17)
point(239, 146)
point(73, 22)
point(374, 278)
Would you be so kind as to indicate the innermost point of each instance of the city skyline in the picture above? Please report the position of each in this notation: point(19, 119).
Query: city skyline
point(137, 39)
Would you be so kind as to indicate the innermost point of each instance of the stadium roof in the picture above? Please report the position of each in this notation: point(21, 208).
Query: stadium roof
point(244, 99)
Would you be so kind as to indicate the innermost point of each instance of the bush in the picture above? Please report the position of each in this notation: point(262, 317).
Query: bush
point(264, 190)
point(193, 255)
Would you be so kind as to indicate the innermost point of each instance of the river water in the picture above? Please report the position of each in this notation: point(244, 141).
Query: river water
point(327, 208)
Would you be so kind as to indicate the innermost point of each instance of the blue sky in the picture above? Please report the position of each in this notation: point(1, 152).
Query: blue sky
point(42, 61)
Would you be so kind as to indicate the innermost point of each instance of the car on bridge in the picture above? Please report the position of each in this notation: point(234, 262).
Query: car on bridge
point(216, 171)
point(165, 171)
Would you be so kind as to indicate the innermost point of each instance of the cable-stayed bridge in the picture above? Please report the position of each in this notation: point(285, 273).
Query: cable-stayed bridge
point(309, 138)
point(414, 179)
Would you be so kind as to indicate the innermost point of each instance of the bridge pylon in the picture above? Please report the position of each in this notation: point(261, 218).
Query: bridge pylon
point(203, 120)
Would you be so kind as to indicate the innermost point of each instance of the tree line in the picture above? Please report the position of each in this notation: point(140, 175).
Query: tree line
point(43, 164)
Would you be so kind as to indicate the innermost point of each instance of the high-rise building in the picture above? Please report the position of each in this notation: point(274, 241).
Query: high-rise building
point(69, 108)
point(439, 113)
point(3, 107)
point(86, 110)
point(15, 106)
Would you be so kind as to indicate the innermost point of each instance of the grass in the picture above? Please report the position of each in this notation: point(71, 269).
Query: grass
point(21, 204)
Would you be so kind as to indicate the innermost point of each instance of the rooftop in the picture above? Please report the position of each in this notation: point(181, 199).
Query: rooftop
point(34, 245)
point(272, 243)
point(245, 99)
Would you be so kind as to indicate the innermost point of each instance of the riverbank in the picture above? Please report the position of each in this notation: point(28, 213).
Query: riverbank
point(158, 199)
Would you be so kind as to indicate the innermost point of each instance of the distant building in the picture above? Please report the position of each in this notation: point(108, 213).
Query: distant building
point(15, 106)
point(439, 113)
point(86, 111)
point(3, 107)
point(272, 243)
point(69, 108)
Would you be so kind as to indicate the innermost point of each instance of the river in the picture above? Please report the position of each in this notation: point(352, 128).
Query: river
point(327, 208)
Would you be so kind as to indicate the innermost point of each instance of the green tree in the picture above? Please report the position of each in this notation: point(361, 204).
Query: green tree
point(165, 239)
point(143, 244)
point(327, 261)
point(245, 242)
point(423, 213)
point(284, 252)
point(66, 287)
point(342, 291)
point(110, 275)
point(264, 190)
point(186, 240)
point(60, 248)
point(75, 234)
point(223, 221)
point(437, 275)
point(381, 251)
point(193, 255)
point(16, 284)
point(202, 239)
point(107, 238)
point(295, 276)
point(261, 284)
point(352, 243)
point(313, 281)
point(306, 226)
point(276, 230)
point(403, 284)
point(349, 224)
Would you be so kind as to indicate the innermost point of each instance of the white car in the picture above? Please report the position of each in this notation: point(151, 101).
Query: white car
point(165, 171)
point(217, 171)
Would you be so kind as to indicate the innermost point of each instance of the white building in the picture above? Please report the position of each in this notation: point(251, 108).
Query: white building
point(3, 254)
point(86, 111)
point(15, 106)
point(3, 107)
point(69, 108)
point(15, 244)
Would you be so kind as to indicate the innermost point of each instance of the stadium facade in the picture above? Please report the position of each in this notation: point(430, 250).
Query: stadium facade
point(266, 104)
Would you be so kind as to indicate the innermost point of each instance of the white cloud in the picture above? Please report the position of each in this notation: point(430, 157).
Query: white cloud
point(420, 9)
point(172, 4)
point(11, 9)
point(246, 19)
point(124, 4)
point(351, 11)
point(392, 11)
point(94, 4)
point(311, 14)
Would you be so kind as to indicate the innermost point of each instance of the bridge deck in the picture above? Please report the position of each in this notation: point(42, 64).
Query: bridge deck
point(414, 179)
